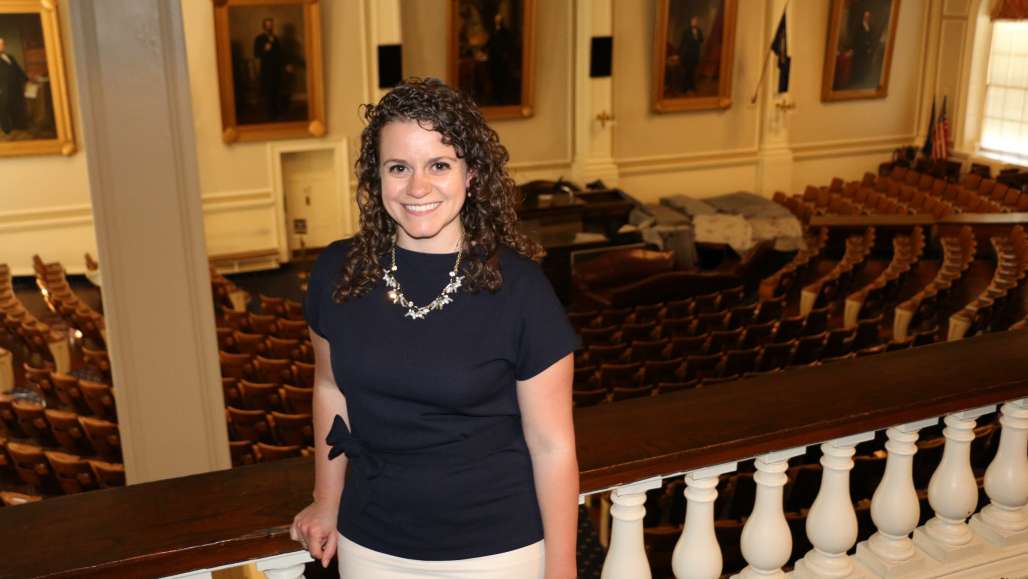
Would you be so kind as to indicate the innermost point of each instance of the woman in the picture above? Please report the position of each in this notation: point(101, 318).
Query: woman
point(444, 365)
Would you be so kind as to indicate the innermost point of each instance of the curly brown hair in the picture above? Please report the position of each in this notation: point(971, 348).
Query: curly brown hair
point(488, 214)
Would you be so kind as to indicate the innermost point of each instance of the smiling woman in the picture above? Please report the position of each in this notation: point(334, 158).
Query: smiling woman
point(454, 416)
point(424, 184)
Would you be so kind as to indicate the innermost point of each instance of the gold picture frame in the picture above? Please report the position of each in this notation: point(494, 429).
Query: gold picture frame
point(693, 52)
point(491, 55)
point(270, 69)
point(35, 111)
point(858, 51)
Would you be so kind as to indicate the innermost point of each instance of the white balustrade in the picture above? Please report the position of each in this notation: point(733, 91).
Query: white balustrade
point(626, 557)
point(953, 493)
point(766, 540)
point(895, 508)
point(288, 566)
point(832, 521)
point(1004, 521)
point(283, 566)
point(697, 554)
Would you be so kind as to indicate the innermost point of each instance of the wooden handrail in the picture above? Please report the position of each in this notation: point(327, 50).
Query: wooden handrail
point(177, 525)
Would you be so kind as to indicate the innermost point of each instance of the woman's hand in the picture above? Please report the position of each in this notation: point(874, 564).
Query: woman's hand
point(315, 529)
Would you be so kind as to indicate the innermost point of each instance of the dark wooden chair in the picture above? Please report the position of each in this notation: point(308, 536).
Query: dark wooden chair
point(73, 474)
point(298, 400)
point(249, 425)
point(292, 429)
point(100, 399)
point(67, 431)
point(103, 436)
point(108, 474)
point(271, 452)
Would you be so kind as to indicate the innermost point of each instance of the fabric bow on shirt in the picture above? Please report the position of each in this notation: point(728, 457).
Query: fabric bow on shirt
point(366, 464)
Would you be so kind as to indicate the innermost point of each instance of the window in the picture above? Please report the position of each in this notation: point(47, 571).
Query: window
point(1005, 123)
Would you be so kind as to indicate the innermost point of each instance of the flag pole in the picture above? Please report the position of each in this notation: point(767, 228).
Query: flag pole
point(763, 70)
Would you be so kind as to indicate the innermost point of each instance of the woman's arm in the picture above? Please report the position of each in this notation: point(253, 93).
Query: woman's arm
point(315, 526)
point(545, 401)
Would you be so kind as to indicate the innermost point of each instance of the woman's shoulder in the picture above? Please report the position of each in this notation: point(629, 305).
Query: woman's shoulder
point(518, 270)
point(331, 257)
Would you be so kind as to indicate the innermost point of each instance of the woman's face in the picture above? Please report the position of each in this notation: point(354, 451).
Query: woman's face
point(424, 185)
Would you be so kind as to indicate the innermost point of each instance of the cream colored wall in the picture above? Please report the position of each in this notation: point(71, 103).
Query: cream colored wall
point(705, 153)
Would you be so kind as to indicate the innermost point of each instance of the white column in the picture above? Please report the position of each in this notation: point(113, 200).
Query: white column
point(895, 508)
point(626, 557)
point(832, 522)
point(775, 161)
point(697, 554)
point(1004, 521)
point(287, 566)
point(141, 154)
point(383, 28)
point(766, 539)
point(953, 493)
point(594, 138)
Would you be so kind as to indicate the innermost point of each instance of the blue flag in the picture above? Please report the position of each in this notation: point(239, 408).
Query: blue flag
point(781, 49)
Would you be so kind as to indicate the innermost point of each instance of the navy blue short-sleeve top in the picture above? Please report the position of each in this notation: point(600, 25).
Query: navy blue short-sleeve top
point(441, 470)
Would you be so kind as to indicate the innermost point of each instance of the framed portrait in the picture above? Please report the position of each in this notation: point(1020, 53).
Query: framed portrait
point(491, 56)
point(270, 76)
point(858, 53)
point(693, 47)
point(35, 114)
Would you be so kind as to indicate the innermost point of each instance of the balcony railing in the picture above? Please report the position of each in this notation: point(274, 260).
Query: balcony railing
point(192, 525)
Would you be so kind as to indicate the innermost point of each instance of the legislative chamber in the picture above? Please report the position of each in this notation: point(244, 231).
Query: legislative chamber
point(791, 239)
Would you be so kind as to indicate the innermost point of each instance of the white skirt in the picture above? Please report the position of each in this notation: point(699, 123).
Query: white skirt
point(359, 562)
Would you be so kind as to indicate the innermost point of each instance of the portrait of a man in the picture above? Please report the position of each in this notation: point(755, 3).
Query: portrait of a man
point(268, 63)
point(26, 100)
point(491, 56)
point(693, 45)
point(861, 34)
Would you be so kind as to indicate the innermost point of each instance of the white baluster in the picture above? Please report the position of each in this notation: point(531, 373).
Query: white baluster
point(766, 541)
point(1004, 521)
point(953, 493)
point(287, 566)
point(895, 509)
point(832, 522)
point(626, 557)
point(696, 554)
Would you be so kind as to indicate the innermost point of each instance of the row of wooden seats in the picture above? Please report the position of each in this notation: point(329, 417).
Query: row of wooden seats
point(874, 297)
point(272, 427)
point(828, 287)
point(291, 326)
point(257, 368)
point(718, 301)
point(244, 452)
point(49, 427)
point(689, 338)
point(36, 336)
point(990, 304)
point(269, 346)
point(86, 397)
point(782, 281)
point(242, 393)
point(971, 190)
point(960, 199)
point(921, 310)
point(63, 301)
point(53, 472)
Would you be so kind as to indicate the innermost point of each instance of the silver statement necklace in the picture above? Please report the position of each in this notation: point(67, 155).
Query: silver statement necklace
point(415, 312)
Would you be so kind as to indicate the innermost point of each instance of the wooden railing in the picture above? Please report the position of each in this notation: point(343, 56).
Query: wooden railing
point(194, 524)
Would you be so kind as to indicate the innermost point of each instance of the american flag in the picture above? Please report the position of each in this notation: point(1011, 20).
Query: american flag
point(940, 141)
